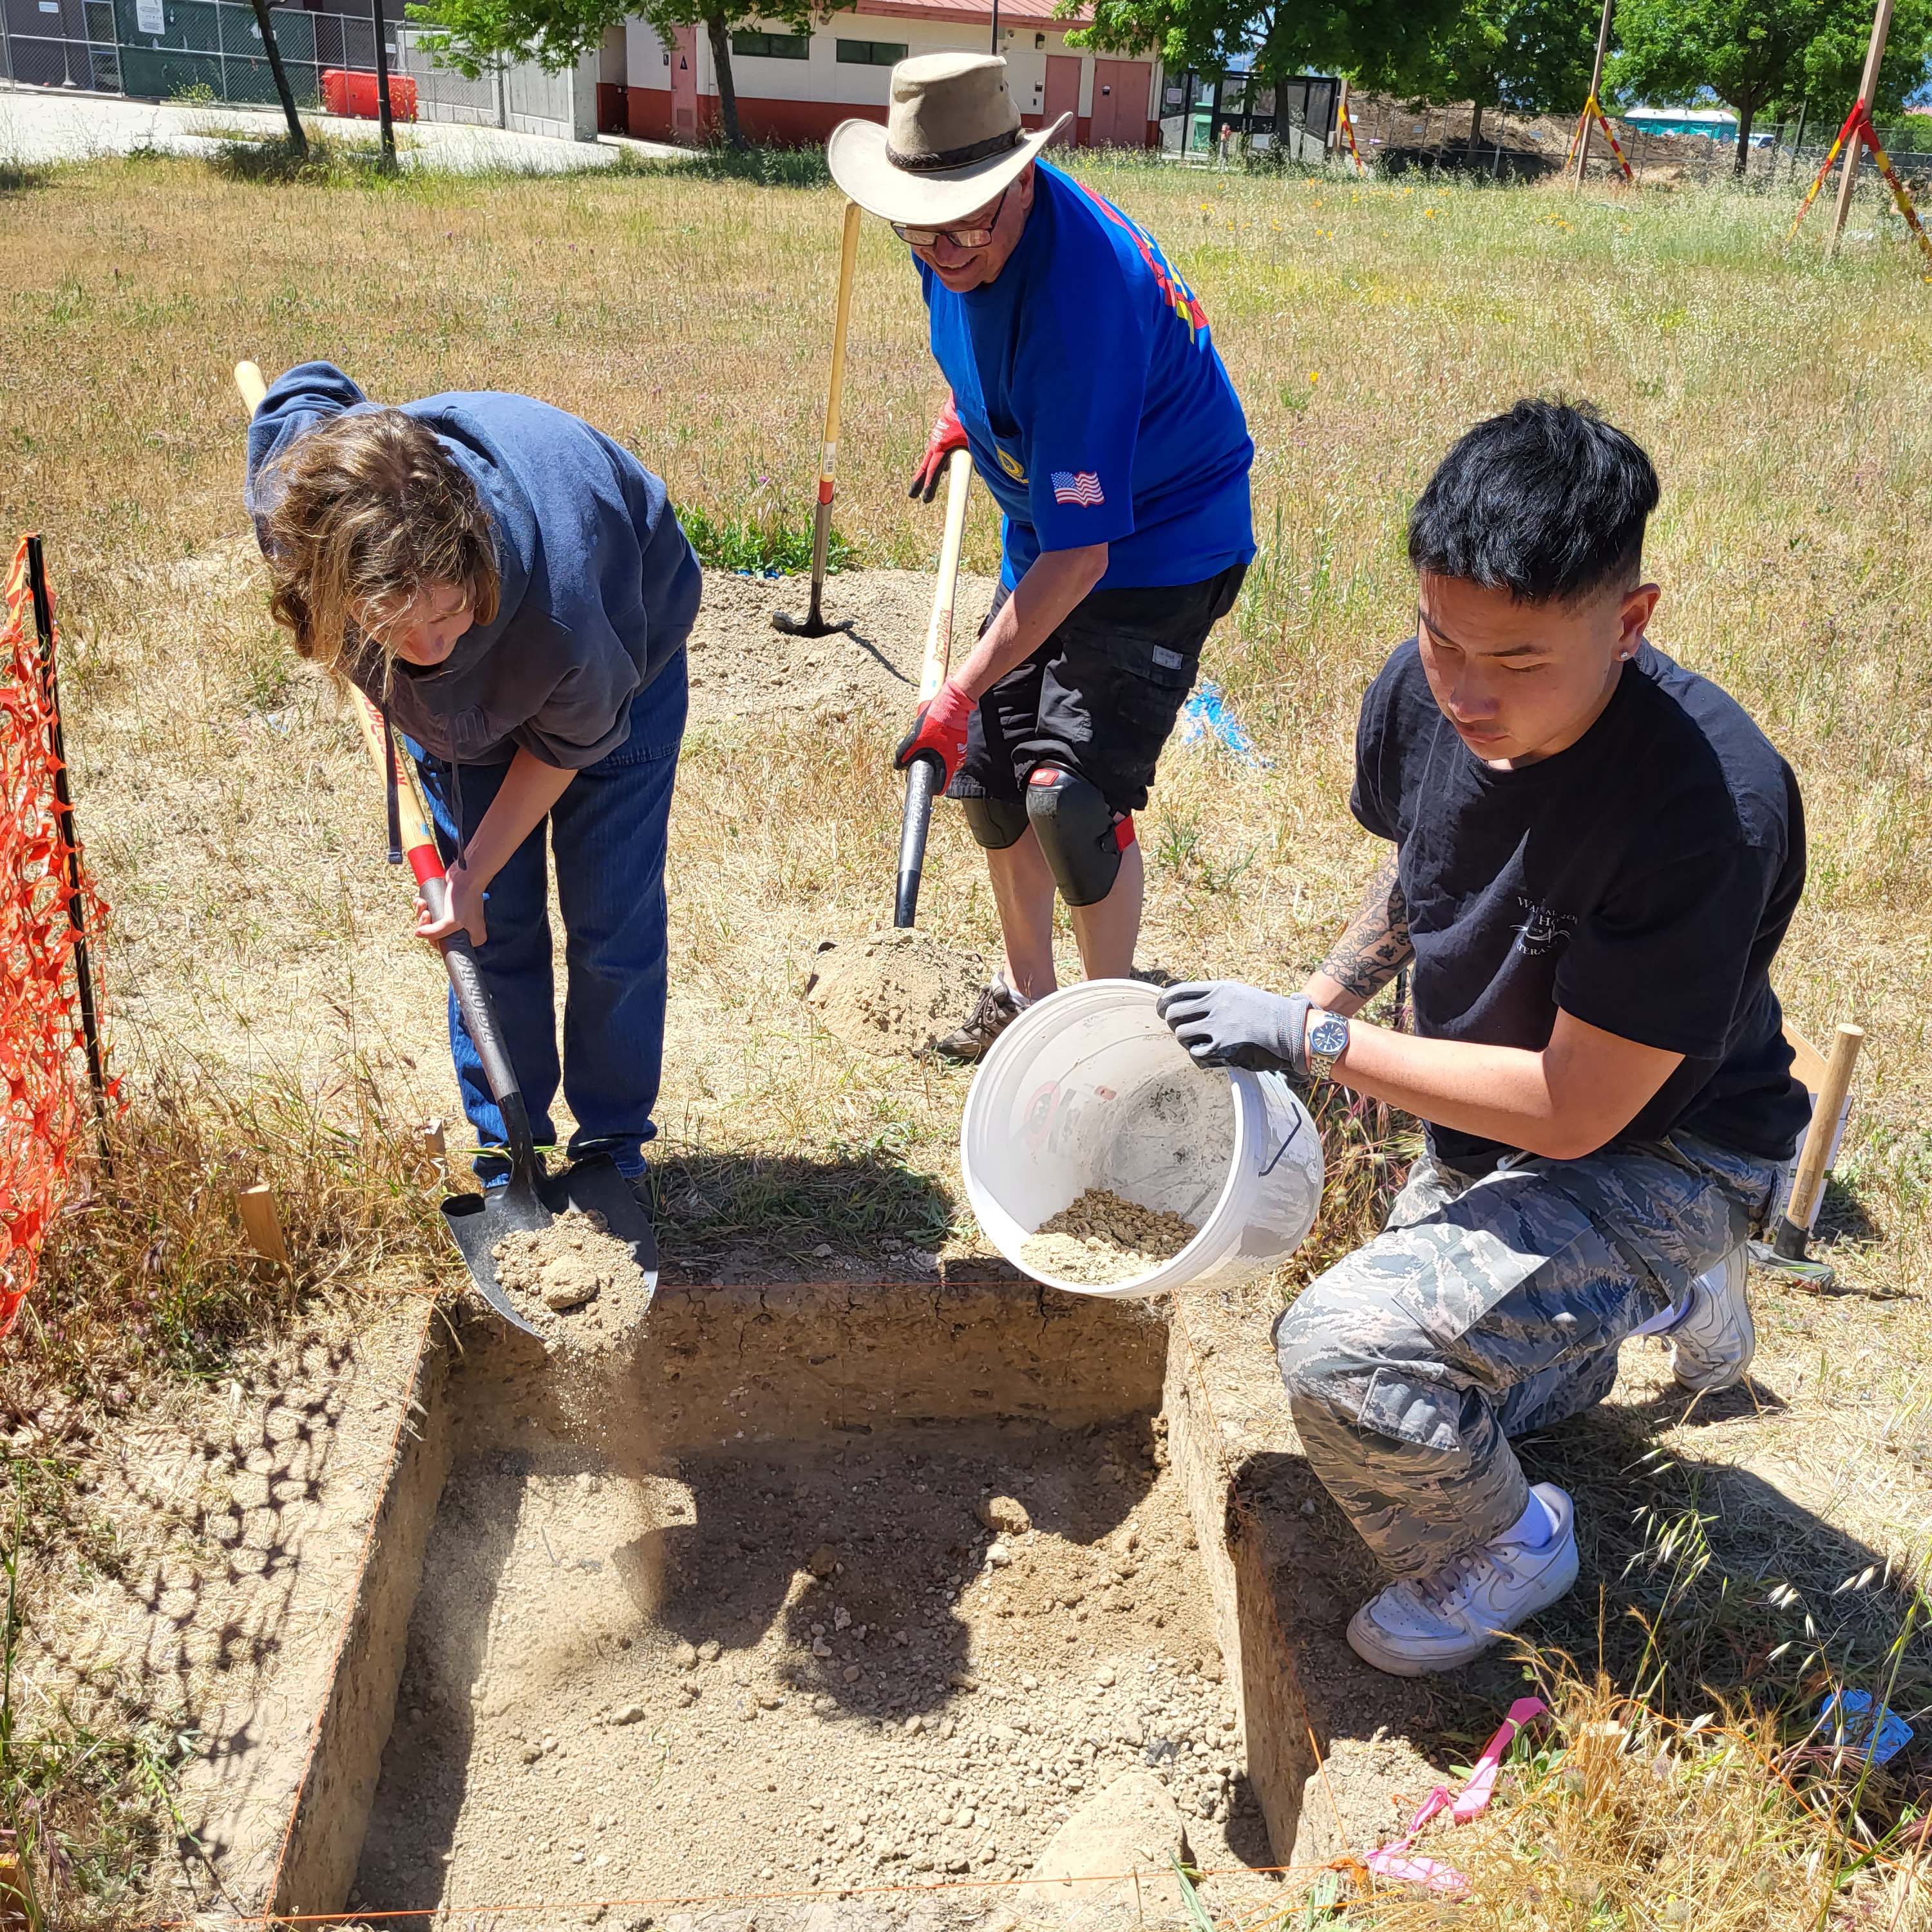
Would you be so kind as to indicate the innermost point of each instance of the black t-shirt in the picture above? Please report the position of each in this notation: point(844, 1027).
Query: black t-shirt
point(1641, 879)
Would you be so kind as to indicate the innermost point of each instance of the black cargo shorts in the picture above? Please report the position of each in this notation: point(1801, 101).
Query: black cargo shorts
point(1100, 696)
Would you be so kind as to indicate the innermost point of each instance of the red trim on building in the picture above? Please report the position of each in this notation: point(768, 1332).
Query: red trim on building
point(647, 111)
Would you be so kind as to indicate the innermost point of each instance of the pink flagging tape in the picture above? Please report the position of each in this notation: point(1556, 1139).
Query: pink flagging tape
point(1393, 1861)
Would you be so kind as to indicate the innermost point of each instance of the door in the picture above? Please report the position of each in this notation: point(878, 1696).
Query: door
point(1062, 97)
point(1119, 116)
point(684, 85)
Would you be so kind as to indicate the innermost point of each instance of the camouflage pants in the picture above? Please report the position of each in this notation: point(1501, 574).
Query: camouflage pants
point(1488, 1308)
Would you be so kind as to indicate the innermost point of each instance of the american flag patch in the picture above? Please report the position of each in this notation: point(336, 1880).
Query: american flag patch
point(1077, 486)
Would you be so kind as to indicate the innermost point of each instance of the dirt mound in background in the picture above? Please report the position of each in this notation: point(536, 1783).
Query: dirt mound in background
point(740, 664)
point(895, 991)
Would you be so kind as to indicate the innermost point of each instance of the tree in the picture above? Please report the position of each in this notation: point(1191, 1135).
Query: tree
point(1530, 56)
point(1375, 43)
point(1757, 54)
point(473, 35)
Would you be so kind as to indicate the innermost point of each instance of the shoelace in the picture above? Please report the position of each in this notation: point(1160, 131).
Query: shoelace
point(1439, 1590)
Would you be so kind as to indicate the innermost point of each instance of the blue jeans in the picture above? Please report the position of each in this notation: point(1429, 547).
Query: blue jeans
point(608, 832)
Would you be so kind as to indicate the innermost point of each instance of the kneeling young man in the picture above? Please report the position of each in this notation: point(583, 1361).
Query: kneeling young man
point(1597, 853)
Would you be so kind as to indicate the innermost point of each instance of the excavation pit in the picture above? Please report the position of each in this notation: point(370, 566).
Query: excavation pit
point(851, 1594)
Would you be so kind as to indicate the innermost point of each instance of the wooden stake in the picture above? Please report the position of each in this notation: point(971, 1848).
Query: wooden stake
point(1795, 1227)
point(1867, 90)
point(1596, 82)
point(261, 1223)
point(434, 1146)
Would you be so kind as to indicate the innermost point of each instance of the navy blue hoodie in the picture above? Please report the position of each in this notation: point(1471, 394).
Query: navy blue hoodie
point(599, 586)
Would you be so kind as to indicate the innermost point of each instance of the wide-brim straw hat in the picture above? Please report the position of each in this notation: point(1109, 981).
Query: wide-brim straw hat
point(952, 143)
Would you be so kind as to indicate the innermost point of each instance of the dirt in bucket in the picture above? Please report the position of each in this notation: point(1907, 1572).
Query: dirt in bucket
point(573, 1279)
point(893, 991)
point(1102, 1239)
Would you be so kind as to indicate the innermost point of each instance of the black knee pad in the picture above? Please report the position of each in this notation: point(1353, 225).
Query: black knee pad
point(1081, 835)
point(997, 823)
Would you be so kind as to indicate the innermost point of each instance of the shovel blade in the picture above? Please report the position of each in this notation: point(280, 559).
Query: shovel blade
point(478, 1222)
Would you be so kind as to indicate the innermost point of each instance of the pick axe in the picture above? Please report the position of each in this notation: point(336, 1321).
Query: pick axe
point(813, 624)
point(923, 774)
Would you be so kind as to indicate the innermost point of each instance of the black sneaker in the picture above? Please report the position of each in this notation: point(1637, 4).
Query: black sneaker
point(995, 1010)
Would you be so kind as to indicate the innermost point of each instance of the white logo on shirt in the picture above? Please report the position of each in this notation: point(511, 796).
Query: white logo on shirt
point(1543, 929)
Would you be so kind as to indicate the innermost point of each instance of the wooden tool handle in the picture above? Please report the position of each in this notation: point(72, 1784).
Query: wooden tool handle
point(939, 627)
point(248, 380)
point(848, 257)
point(1809, 1182)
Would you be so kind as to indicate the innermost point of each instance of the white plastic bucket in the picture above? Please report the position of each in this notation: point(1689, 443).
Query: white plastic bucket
point(1089, 1089)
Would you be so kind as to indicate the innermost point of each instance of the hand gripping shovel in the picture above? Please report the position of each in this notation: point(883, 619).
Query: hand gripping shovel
point(531, 1200)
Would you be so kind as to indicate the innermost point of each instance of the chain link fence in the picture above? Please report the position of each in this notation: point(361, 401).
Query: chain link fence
point(212, 50)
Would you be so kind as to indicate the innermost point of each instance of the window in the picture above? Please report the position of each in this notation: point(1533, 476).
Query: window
point(871, 53)
point(772, 47)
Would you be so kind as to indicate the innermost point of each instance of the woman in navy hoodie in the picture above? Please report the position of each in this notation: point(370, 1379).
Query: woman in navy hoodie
point(513, 590)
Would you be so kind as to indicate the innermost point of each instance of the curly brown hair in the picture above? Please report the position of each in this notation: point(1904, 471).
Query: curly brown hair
point(368, 512)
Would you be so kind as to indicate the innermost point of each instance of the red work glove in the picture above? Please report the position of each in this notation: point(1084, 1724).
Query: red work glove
point(939, 731)
point(947, 436)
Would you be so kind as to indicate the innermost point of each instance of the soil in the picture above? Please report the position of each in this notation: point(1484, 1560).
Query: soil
point(571, 1262)
point(895, 991)
point(1102, 1239)
point(741, 666)
point(818, 1669)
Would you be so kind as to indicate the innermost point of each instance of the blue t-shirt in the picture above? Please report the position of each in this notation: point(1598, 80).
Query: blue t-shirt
point(1095, 406)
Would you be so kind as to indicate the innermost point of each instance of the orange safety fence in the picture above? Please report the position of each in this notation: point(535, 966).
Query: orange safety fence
point(43, 1038)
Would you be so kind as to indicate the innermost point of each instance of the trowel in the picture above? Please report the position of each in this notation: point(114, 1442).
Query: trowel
point(532, 1199)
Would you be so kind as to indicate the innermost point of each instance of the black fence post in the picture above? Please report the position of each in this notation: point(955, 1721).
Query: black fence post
point(76, 915)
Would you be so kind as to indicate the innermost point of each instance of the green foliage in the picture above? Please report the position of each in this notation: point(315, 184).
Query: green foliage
point(472, 36)
point(1757, 54)
point(757, 543)
point(1376, 44)
point(1530, 56)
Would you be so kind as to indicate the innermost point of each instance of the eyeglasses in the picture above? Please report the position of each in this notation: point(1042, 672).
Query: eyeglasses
point(960, 237)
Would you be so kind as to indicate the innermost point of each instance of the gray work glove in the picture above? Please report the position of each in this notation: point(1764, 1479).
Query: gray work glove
point(1223, 1023)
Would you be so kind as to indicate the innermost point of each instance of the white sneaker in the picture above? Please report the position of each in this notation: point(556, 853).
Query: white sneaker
point(1713, 1345)
point(1439, 1621)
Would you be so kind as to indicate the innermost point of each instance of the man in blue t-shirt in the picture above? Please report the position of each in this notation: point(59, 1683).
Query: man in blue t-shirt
point(1596, 854)
point(1097, 412)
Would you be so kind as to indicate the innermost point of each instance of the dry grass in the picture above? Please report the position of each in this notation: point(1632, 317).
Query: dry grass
point(1365, 325)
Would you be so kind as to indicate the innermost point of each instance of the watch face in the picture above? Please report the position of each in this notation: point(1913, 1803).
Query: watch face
point(1328, 1036)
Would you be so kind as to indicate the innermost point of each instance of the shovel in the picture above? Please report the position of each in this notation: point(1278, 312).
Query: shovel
point(532, 1199)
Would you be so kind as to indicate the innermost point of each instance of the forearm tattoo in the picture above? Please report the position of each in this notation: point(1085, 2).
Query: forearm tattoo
point(1374, 947)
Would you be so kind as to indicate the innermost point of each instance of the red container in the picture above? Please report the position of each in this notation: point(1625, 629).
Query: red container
point(349, 91)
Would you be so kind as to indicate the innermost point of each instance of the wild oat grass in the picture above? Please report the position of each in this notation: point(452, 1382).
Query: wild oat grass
point(687, 312)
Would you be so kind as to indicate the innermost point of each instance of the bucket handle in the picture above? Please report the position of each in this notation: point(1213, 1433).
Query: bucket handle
point(1301, 1118)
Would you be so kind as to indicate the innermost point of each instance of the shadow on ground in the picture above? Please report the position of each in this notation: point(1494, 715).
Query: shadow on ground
point(752, 1216)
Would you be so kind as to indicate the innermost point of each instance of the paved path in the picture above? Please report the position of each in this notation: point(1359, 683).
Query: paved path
point(38, 125)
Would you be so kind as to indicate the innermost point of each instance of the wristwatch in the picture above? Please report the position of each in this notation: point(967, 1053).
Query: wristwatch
point(1327, 1040)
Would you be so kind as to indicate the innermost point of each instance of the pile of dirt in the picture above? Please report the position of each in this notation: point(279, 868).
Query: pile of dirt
point(575, 1281)
point(811, 1670)
point(895, 991)
point(1102, 1239)
point(740, 665)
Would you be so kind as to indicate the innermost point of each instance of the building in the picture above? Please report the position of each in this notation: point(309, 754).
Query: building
point(794, 89)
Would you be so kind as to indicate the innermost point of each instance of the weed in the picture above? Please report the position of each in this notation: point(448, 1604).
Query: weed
point(765, 547)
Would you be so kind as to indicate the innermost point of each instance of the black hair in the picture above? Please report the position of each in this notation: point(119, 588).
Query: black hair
point(1548, 502)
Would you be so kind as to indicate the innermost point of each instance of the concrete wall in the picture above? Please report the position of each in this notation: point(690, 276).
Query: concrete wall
point(800, 101)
